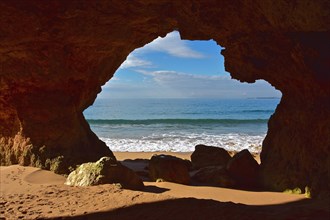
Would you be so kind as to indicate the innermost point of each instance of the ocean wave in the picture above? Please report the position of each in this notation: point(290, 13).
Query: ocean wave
point(185, 142)
point(176, 121)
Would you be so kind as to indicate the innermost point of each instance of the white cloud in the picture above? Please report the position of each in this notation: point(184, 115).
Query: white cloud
point(191, 85)
point(172, 84)
point(172, 45)
point(115, 78)
point(173, 76)
point(134, 61)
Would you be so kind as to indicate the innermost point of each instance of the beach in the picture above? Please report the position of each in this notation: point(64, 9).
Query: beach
point(32, 193)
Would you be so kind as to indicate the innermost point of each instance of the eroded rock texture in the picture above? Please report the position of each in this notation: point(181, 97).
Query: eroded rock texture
point(56, 55)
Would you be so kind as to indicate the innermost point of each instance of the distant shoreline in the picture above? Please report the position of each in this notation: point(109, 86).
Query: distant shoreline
point(189, 98)
point(265, 98)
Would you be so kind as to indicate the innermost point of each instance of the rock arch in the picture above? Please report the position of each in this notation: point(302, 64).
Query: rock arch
point(56, 55)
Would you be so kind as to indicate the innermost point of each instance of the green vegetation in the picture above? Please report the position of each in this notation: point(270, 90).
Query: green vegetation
point(298, 191)
point(159, 180)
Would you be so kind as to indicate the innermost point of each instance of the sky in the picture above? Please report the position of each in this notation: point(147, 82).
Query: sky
point(173, 68)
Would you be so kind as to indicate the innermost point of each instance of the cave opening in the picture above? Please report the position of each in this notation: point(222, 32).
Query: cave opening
point(55, 58)
point(173, 94)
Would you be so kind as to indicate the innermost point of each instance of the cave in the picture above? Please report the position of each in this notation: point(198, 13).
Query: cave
point(55, 57)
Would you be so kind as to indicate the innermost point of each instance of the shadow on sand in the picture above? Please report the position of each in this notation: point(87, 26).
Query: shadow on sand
point(154, 189)
point(191, 208)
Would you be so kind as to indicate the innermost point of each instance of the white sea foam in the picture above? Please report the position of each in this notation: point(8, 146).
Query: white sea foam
point(185, 142)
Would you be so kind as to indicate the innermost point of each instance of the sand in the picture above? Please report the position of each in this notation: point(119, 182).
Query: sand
point(32, 193)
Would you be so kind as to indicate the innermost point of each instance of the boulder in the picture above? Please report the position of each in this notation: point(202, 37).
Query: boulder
point(214, 175)
point(244, 169)
point(204, 156)
point(169, 168)
point(139, 166)
point(104, 171)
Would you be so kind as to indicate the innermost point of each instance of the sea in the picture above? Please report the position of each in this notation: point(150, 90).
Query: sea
point(178, 125)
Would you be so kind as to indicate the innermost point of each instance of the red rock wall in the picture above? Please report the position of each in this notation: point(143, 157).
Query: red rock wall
point(55, 57)
point(296, 149)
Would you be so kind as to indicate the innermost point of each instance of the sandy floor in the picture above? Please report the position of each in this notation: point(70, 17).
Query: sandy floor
point(31, 193)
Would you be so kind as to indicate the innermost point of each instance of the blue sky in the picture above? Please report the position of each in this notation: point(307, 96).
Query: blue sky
point(173, 68)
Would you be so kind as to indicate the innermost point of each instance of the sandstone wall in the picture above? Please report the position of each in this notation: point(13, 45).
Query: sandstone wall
point(55, 57)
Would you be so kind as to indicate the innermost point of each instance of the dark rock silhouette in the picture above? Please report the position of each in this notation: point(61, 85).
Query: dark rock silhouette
point(168, 168)
point(214, 175)
point(244, 169)
point(204, 156)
